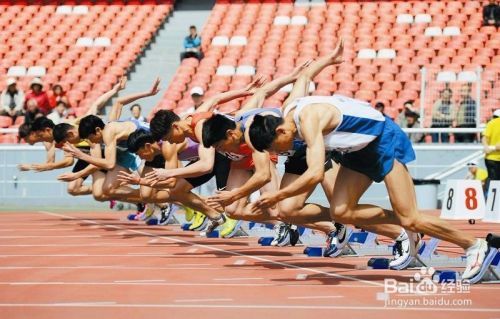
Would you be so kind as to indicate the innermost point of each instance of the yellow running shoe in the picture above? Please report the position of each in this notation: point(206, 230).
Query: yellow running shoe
point(200, 221)
point(189, 213)
point(230, 227)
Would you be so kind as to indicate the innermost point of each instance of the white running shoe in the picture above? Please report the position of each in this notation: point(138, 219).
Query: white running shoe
point(280, 234)
point(405, 249)
point(475, 257)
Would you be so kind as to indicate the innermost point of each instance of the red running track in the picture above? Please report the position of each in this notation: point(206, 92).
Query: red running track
point(96, 265)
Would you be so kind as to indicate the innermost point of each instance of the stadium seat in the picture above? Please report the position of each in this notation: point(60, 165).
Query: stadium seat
point(423, 18)
point(367, 54)
point(404, 18)
point(102, 42)
point(282, 20)
point(467, 76)
point(64, 10)
point(16, 71)
point(37, 71)
point(220, 40)
point(238, 40)
point(84, 42)
point(80, 9)
point(386, 54)
point(245, 70)
point(451, 31)
point(433, 31)
point(226, 70)
point(5, 121)
point(298, 20)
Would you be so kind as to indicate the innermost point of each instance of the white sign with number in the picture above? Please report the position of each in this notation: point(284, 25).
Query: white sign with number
point(463, 199)
point(493, 203)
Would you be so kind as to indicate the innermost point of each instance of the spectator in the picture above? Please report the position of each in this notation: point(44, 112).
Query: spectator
point(477, 173)
point(39, 96)
point(136, 113)
point(32, 112)
point(491, 14)
point(411, 121)
point(379, 106)
point(408, 108)
point(12, 100)
point(60, 113)
point(466, 115)
point(491, 143)
point(192, 45)
point(57, 94)
point(197, 97)
point(442, 115)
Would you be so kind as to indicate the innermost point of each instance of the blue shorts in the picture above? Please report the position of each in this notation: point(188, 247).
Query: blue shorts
point(128, 160)
point(377, 158)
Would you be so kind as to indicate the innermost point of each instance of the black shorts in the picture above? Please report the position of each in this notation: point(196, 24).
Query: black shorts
point(157, 162)
point(80, 165)
point(222, 165)
point(297, 163)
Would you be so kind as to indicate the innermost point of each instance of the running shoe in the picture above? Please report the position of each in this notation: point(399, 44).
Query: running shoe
point(284, 236)
point(405, 249)
point(475, 258)
point(165, 214)
point(190, 213)
point(294, 235)
point(141, 209)
point(148, 213)
point(336, 241)
point(230, 227)
point(213, 224)
point(200, 221)
point(280, 231)
point(112, 204)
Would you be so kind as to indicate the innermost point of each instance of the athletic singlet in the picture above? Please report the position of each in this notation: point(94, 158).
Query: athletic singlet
point(359, 125)
point(122, 145)
point(190, 153)
point(197, 117)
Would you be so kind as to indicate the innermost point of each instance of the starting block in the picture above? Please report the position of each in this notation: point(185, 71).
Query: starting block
point(213, 234)
point(490, 271)
point(360, 243)
point(427, 257)
point(185, 226)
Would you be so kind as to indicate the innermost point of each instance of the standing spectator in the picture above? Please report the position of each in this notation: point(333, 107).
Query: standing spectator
point(39, 96)
point(59, 113)
point(408, 108)
point(491, 14)
point(491, 143)
point(466, 115)
point(136, 113)
point(12, 100)
point(442, 115)
point(379, 106)
point(411, 121)
point(192, 45)
point(32, 112)
point(197, 94)
point(57, 94)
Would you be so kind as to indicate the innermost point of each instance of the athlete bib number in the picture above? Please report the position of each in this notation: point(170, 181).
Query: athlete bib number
point(463, 199)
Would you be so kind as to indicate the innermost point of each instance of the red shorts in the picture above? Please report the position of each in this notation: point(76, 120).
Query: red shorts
point(248, 164)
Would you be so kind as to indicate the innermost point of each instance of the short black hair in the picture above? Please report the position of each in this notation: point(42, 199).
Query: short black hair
point(138, 139)
point(409, 102)
point(379, 105)
point(24, 130)
point(89, 124)
point(41, 123)
point(263, 131)
point(162, 123)
point(63, 103)
point(132, 107)
point(192, 27)
point(215, 128)
point(60, 130)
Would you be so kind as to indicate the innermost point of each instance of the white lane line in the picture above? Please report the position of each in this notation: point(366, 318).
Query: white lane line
point(315, 297)
point(73, 245)
point(121, 233)
point(140, 281)
point(153, 241)
point(53, 236)
point(202, 300)
point(191, 250)
point(240, 262)
point(38, 229)
point(89, 255)
point(61, 283)
point(301, 277)
point(86, 303)
point(234, 253)
point(229, 279)
point(179, 267)
point(235, 306)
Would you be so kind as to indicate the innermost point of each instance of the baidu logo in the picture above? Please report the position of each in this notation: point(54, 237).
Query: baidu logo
point(421, 283)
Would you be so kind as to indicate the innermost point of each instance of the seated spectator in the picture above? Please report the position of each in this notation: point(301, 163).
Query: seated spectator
point(476, 173)
point(491, 14)
point(442, 115)
point(39, 96)
point(465, 115)
point(60, 113)
point(411, 121)
point(192, 45)
point(32, 112)
point(407, 109)
point(136, 113)
point(197, 94)
point(12, 100)
point(57, 94)
point(379, 106)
